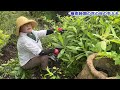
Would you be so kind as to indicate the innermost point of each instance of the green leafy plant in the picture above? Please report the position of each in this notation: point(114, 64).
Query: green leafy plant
point(85, 35)
point(3, 38)
point(53, 73)
point(12, 70)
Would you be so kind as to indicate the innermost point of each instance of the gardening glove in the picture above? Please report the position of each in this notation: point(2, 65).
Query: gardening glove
point(50, 31)
point(46, 51)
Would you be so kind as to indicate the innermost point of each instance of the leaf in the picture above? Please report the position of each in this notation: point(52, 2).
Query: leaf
point(80, 43)
point(117, 76)
point(54, 39)
point(88, 53)
point(53, 77)
point(97, 19)
point(101, 21)
point(73, 48)
point(73, 28)
point(80, 56)
point(1, 42)
point(65, 60)
point(90, 35)
point(59, 72)
point(109, 47)
point(16, 77)
point(116, 21)
point(65, 25)
point(17, 68)
point(117, 62)
point(115, 41)
point(96, 47)
point(50, 73)
point(4, 64)
point(56, 45)
point(68, 56)
point(13, 73)
point(98, 36)
point(1, 77)
point(70, 36)
point(61, 39)
point(61, 53)
point(1, 68)
point(113, 32)
point(54, 67)
point(23, 76)
point(111, 17)
point(107, 32)
point(19, 71)
point(71, 61)
point(1, 31)
point(103, 45)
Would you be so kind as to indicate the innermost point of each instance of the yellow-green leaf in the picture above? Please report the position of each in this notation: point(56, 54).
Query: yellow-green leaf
point(103, 45)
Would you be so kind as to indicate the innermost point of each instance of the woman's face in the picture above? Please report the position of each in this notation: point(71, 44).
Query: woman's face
point(26, 28)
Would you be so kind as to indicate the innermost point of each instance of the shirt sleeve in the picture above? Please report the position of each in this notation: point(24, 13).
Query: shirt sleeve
point(31, 47)
point(41, 33)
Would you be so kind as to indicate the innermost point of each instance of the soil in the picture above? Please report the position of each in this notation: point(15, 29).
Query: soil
point(106, 65)
point(9, 51)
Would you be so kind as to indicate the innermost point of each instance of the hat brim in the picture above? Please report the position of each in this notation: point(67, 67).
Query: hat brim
point(33, 23)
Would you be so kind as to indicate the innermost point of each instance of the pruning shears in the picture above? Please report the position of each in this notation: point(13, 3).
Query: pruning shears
point(61, 30)
point(55, 54)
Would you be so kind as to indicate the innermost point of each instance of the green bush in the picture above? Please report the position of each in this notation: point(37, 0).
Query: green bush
point(12, 70)
point(85, 35)
point(3, 39)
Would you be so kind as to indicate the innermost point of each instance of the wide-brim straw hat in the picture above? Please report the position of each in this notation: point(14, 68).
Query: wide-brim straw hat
point(23, 20)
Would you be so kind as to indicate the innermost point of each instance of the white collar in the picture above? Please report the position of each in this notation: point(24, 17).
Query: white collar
point(23, 34)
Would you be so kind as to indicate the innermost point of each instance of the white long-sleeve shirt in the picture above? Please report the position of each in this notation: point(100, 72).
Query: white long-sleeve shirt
point(29, 48)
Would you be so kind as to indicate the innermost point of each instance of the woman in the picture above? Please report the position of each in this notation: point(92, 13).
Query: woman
point(30, 50)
